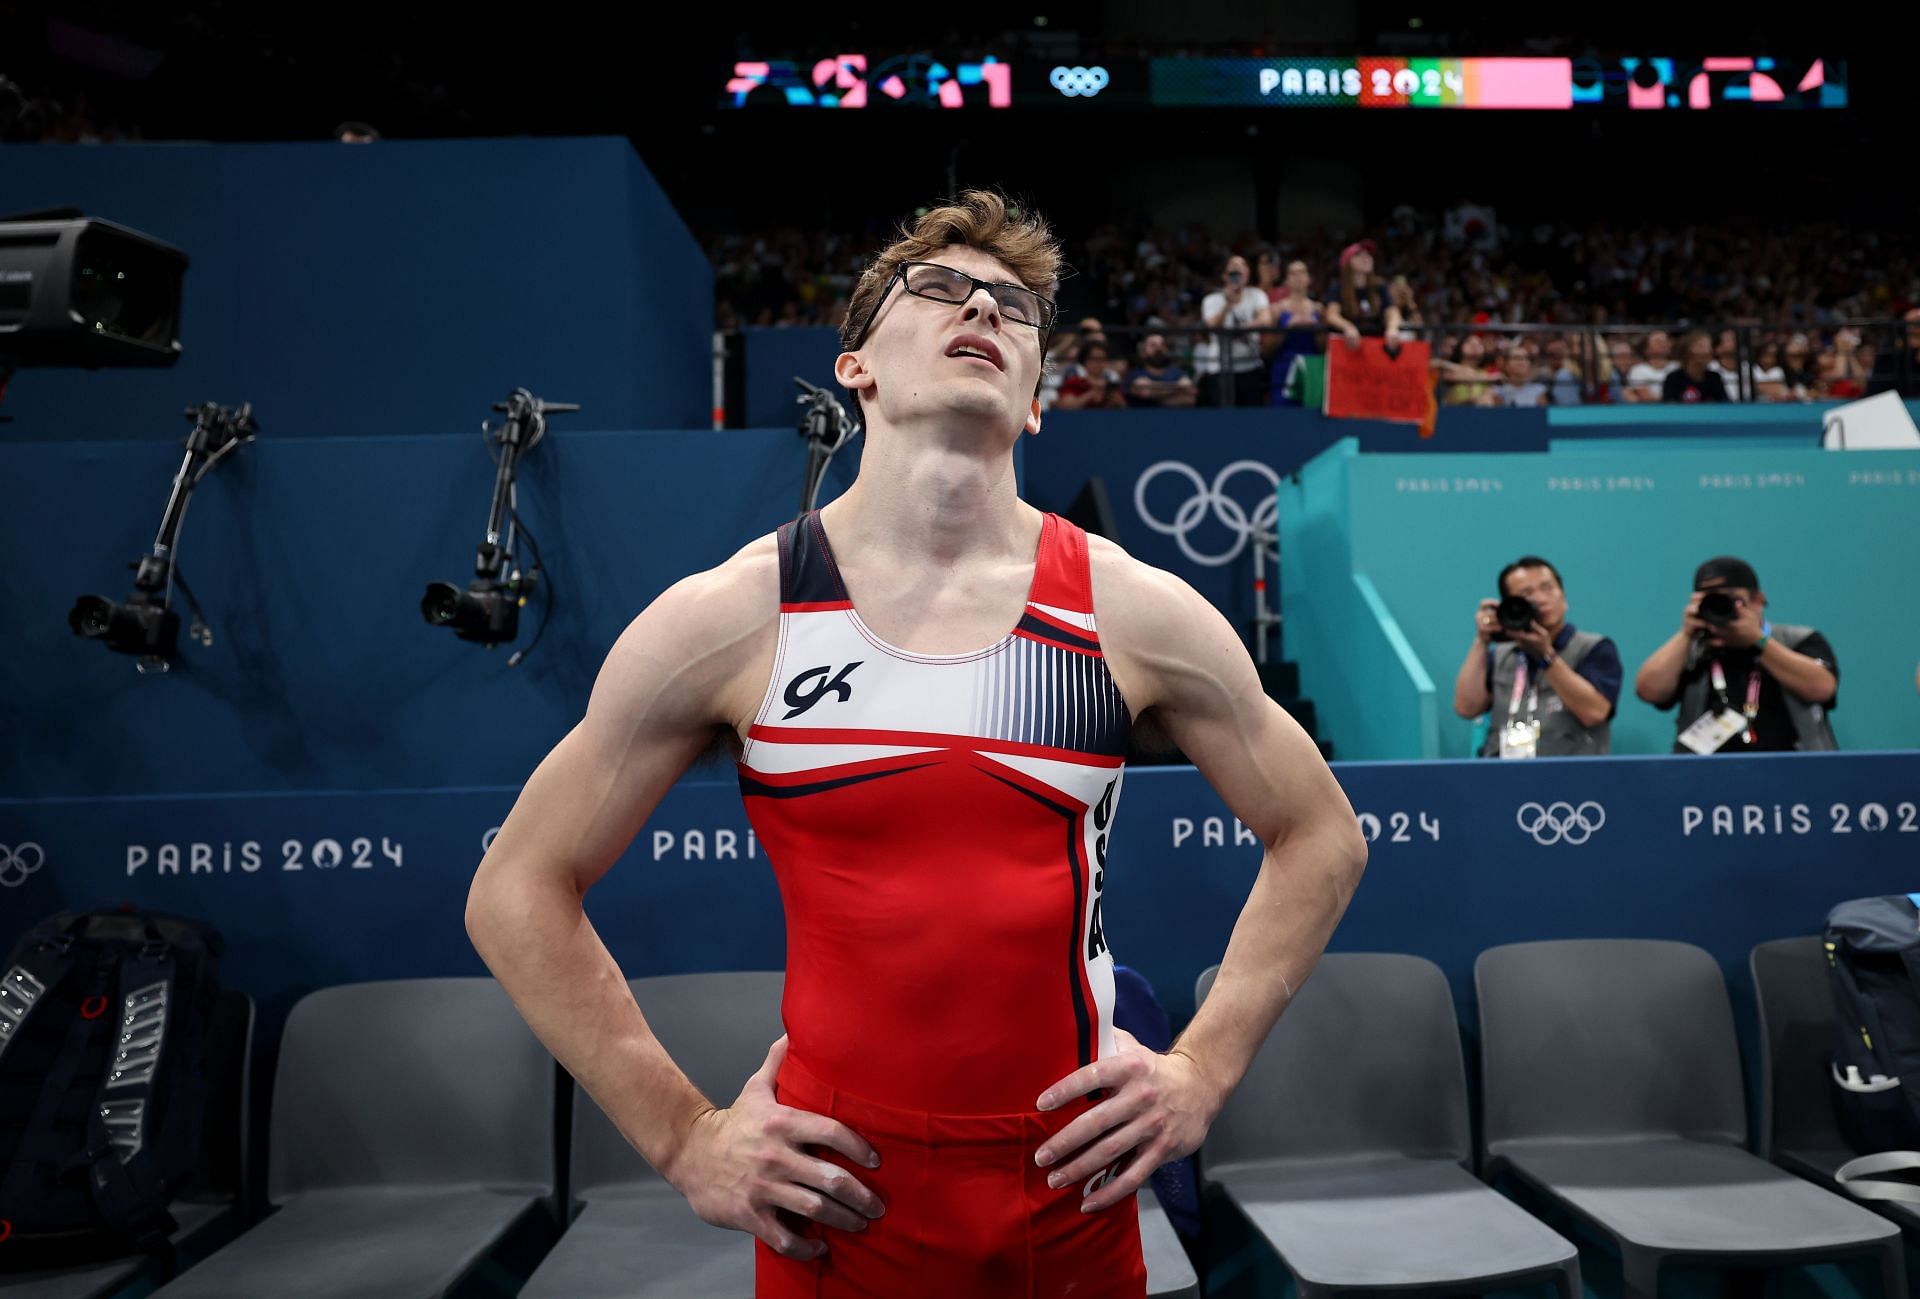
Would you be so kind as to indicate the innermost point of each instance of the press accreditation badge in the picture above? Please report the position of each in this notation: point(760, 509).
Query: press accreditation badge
point(1519, 739)
point(1713, 730)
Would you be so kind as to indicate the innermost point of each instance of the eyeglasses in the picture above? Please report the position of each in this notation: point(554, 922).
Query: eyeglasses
point(940, 283)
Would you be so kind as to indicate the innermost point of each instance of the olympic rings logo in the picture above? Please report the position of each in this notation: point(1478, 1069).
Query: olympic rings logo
point(1561, 822)
point(1212, 500)
point(18, 863)
point(1078, 82)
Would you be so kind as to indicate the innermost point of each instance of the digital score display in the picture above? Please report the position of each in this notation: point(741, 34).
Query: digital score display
point(1539, 84)
point(927, 81)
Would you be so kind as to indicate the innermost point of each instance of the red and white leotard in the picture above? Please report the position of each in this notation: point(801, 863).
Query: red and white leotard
point(938, 825)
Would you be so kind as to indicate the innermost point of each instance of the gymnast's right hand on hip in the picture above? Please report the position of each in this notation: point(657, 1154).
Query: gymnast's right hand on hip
point(743, 1166)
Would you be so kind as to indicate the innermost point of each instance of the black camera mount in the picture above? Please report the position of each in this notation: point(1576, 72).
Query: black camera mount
point(146, 624)
point(827, 427)
point(488, 611)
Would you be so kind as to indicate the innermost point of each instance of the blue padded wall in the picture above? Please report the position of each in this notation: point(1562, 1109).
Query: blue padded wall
point(310, 556)
point(393, 288)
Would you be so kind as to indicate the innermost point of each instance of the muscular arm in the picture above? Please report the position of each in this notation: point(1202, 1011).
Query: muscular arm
point(680, 672)
point(1172, 652)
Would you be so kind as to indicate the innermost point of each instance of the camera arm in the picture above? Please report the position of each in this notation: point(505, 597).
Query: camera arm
point(524, 426)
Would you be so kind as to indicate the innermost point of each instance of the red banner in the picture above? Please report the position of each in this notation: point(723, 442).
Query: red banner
point(1368, 382)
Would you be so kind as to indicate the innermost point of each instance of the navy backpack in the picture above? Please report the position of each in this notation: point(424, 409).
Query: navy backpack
point(103, 1029)
point(1873, 952)
point(1137, 1010)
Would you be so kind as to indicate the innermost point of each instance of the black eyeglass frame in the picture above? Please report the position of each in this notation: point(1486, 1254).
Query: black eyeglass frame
point(1049, 310)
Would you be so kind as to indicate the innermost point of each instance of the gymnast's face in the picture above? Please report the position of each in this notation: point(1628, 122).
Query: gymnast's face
point(952, 364)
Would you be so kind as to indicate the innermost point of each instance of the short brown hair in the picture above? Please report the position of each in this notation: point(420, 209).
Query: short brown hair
point(980, 218)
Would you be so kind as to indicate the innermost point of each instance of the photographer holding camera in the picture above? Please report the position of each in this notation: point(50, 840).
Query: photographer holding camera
point(1550, 687)
point(1744, 684)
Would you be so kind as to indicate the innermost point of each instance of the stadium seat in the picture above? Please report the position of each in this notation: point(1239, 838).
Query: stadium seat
point(412, 1129)
point(634, 1237)
point(212, 1205)
point(1347, 1144)
point(1612, 1085)
point(1798, 1130)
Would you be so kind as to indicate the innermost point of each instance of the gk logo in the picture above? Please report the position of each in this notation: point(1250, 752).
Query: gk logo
point(799, 699)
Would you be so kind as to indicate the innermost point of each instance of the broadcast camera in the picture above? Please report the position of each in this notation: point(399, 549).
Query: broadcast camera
point(488, 611)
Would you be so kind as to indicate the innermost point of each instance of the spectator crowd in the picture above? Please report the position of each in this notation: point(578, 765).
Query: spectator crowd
point(1636, 314)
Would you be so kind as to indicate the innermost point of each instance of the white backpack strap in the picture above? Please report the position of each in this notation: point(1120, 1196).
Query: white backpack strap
point(1857, 1177)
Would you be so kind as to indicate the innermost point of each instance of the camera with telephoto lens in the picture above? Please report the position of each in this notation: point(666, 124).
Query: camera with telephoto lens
point(1515, 613)
point(1718, 609)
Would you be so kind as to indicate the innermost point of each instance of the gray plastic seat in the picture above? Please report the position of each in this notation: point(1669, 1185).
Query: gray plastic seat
point(211, 1207)
point(1347, 1145)
point(1798, 1130)
point(1612, 1085)
point(634, 1236)
point(412, 1129)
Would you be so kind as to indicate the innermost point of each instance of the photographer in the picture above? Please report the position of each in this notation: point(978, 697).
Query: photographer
point(1550, 687)
point(1743, 684)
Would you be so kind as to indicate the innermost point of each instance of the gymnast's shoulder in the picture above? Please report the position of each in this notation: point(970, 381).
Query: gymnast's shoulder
point(710, 625)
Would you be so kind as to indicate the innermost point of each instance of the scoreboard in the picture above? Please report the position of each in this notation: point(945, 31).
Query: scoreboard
point(923, 80)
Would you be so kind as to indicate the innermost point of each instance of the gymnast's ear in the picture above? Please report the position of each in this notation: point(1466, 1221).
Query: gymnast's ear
point(852, 372)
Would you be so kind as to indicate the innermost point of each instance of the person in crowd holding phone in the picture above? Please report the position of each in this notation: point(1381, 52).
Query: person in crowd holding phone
point(1551, 687)
point(1238, 305)
point(1743, 683)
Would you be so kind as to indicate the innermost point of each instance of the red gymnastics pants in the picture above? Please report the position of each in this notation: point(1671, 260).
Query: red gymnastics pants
point(969, 1215)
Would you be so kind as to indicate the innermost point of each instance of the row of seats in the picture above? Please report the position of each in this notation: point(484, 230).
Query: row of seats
point(412, 1136)
point(1611, 1092)
point(412, 1132)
